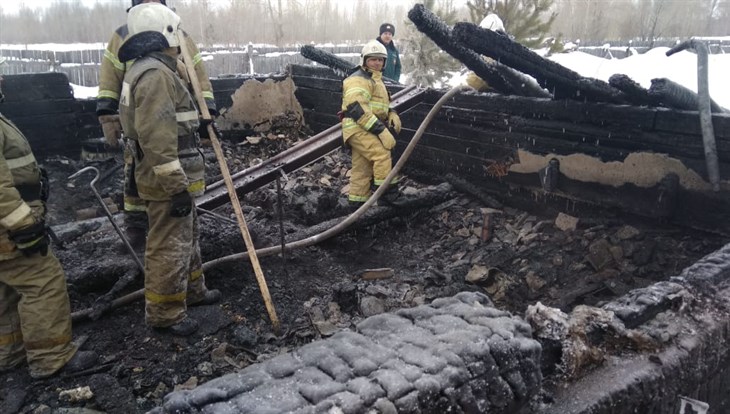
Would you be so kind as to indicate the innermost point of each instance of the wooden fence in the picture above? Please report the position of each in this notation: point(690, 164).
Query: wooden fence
point(82, 66)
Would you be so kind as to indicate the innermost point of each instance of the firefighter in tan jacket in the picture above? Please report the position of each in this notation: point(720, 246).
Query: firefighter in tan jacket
point(161, 122)
point(367, 123)
point(110, 87)
point(35, 314)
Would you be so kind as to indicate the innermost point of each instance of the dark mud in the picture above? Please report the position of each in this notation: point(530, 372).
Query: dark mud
point(517, 258)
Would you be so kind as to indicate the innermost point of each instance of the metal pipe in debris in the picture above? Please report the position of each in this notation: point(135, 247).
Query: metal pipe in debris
point(703, 98)
point(108, 213)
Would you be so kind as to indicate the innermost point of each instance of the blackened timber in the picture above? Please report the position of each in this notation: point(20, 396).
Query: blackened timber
point(293, 158)
point(658, 201)
point(674, 95)
point(635, 93)
point(478, 135)
point(36, 87)
point(687, 123)
point(560, 110)
point(561, 81)
point(433, 27)
point(320, 100)
point(341, 67)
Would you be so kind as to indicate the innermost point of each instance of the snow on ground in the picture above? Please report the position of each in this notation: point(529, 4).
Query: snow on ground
point(680, 67)
point(85, 92)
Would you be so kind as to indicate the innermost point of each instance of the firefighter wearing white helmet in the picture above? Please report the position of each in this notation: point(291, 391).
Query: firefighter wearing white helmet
point(107, 110)
point(160, 119)
point(368, 125)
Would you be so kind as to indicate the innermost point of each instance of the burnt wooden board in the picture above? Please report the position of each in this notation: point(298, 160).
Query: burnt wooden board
point(35, 87)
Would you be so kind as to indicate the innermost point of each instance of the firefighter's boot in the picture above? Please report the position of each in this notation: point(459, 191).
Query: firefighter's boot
point(211, 296)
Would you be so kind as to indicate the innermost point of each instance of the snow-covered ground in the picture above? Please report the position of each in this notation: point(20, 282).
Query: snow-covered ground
point(680, 67)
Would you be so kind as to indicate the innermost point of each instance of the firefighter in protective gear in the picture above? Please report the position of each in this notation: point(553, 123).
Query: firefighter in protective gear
point(367, 123)
point(110, 87)
point(160, 120)
point(35, 314)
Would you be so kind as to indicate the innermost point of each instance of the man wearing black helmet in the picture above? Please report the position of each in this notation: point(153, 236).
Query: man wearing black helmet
point(110, 87)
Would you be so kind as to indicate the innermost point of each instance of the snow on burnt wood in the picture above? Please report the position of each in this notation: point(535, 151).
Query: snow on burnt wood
point(429, 24)
point(562, 82)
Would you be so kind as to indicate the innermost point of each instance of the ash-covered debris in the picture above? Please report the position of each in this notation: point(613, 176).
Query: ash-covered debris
point(456, 354)
point(400, 259)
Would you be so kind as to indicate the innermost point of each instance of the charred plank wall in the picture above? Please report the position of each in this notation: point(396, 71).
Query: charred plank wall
point(43, 107)
point(488, 139)
point(658, 153)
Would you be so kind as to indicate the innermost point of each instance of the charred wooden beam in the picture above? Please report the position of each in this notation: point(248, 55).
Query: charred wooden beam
point(495, 74)
point(342, 67)
point(635, 93)
point(561, 81)
point(674, 95)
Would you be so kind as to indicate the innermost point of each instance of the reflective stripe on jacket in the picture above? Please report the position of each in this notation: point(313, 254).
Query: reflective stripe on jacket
point(159, 117)
point(367, 89)
point(112, 71)
point(18, 167)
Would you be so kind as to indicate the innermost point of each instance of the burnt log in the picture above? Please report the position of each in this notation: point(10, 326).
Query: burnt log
point(341, 67)
point(497, 76)
point(561, 81)
point(635, 93)
point(674, 95)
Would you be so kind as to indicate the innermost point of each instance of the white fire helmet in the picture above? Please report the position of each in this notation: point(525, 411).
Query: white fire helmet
point(372, 48)
point(154, 17)
point(492, 22)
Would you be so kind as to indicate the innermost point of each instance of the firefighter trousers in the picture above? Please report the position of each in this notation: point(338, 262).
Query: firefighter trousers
point(371, 163)
point(173, 267)
point(35, 315)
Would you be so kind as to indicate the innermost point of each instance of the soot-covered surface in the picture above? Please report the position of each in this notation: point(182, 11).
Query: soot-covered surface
point(516, 258)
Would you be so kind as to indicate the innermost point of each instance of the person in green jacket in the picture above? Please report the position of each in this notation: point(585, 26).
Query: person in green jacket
point(35, 313)
point(392, 63)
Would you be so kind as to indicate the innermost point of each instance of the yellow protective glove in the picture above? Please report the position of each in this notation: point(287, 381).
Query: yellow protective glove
point(386, 138)
point(394, 121)
point(112, 128)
